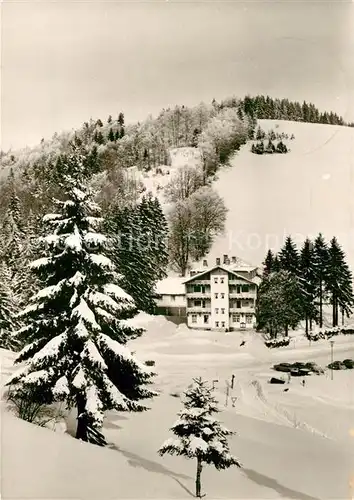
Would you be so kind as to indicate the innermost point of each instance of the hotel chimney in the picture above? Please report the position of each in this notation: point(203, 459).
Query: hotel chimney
point(234, 260)
point(225, 258)
point(218, 261)
point(205, 263)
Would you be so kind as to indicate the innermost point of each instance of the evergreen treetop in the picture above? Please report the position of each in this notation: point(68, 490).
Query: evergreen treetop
point(289, 257)
point(198, 433)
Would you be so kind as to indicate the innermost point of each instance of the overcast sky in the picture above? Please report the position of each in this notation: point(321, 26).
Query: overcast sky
point(64, 62)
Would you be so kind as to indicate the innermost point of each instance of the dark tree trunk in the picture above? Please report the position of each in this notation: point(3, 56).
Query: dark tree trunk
point(81, 431)
point(321, 299)
point(342, 316)
point(198, 484)
point(310, 324)
point(334, 311)
point(286, 330)
point(204, 172)
point(307, 325)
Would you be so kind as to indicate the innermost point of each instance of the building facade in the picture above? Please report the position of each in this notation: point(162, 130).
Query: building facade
point(171, 298)
point(222, 297)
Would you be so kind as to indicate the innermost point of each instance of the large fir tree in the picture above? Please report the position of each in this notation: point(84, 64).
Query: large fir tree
point(321, 270)
point(139, 249)
point(308, 282)
point(154, 234)
point(279, 303)
point(198, 435)
point(76, 342)
point(339, 282)
point(8, 310)
point(289, 257)
point(12, 228)
point(268, 263)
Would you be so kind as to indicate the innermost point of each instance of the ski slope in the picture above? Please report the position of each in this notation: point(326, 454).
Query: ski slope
point(302, 193)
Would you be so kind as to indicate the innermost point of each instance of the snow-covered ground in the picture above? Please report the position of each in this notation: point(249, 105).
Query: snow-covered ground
point(297, 444)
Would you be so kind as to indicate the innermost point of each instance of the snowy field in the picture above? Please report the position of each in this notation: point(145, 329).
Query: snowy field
point(297, 444)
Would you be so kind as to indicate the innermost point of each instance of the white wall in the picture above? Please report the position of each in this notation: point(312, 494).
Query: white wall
point(199, 321)
point(219, 285)
point(171, 301)
point(242, 319)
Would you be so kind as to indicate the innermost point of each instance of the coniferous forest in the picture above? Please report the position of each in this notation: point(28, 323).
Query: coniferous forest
point(298, 284)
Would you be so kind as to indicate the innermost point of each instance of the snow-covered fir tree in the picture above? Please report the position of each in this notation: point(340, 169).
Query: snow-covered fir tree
point(76, 340)
point(139, 232)
point(198, 434)
point(11, 228)
point(308, 282)
point(339, 282)
point(321, 270)
point(279, 303)
point(8, 310)
point(289, 257)
point(154, 232)
point(268, 263)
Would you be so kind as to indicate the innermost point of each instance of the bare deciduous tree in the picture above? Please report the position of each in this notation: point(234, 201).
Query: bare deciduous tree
point(186, 181)
point(194, 223)
point(180, 222)
point(208, 218)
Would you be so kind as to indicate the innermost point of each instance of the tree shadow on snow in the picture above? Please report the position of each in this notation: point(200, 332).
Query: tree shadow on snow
point(151, 466)
point(273, 484)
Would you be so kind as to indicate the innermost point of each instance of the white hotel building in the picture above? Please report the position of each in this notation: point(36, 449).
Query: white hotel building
point(222, 297)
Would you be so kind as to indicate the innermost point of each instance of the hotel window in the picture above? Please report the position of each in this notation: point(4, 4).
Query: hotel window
point(248, 318)
point(223, 324)
point(217, 324)
point(206, 319)
point(222, 311)
point(196, 288)
point(215, 280)
point(245, 303)
point(245, 288)
point(197, 303)
point(221, 280)
point(216, 295)
point(222, 295)
point(194, 318)
point(236, 318)
point(173, 298)
point(238, 304)
point(216, 311)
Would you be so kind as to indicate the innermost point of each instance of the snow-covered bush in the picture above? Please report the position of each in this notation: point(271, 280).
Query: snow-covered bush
point(198, 434)
point(278, 342)
point(23, 405)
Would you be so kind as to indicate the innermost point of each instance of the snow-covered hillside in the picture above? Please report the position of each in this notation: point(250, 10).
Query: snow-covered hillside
point(280, 436)
point(304, 192)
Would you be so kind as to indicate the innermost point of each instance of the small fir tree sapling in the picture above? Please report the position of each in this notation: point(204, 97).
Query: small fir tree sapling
point(198, 434)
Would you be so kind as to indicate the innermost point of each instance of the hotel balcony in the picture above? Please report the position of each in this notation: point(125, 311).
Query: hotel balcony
point(243, 295)
point(195, 309)
point(198, 295)
point(200, 281)
point(242, 310)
